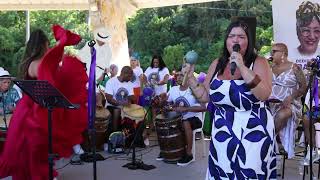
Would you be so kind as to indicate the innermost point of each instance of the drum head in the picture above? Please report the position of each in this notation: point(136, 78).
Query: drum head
point(134, 112)
point(168, 115)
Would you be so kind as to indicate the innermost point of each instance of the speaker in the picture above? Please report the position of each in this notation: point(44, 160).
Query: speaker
point(251, 21)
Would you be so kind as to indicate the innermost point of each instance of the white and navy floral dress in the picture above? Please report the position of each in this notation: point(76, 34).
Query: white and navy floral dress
point(242, 144)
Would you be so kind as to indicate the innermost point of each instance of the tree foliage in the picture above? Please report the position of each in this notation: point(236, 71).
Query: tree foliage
point(167, 31)
point(13, 31)
point(172, 55)
point(199, 27)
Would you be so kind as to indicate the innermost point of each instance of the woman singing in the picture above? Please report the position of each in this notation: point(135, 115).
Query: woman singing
point(242, 144)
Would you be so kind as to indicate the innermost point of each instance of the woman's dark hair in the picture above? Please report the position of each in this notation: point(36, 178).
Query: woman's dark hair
point(35, 49)
point(161, 62)
point(250, 54)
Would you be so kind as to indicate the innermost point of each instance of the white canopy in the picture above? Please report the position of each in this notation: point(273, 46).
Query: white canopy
point(14, 5)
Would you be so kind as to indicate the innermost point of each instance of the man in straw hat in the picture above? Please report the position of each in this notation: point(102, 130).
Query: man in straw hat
point(9, 96)
point(103, 51)
point(103, 58)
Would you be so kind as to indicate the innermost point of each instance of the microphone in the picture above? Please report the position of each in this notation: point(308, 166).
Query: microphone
point(191, 58)
point(233, 66)
point(91, 43)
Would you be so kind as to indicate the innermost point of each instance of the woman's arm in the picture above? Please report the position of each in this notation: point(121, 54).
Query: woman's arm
point(302, 86)
point(259, 80)
point(301, 80)
point(201, 91)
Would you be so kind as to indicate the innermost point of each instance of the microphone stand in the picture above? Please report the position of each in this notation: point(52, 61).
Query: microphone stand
point(134, 164)
point(311, 112)
point(311, 80)
point(92, 130)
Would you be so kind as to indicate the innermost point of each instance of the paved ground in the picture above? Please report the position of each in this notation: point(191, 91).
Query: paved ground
point(111, 168)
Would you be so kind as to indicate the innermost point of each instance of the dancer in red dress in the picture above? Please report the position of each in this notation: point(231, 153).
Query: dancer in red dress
point(25, 154)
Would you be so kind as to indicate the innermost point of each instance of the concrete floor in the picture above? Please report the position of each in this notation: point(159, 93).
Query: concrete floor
point(111, 168)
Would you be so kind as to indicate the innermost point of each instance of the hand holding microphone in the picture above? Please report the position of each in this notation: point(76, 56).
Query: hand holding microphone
point(190, 59)
point(233, 58)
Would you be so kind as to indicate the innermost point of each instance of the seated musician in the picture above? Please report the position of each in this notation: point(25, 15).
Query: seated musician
point(288, 85)
point(8, 95)
point(315, 117)
point(119, 93)
point(108, 73)
point(185, 103)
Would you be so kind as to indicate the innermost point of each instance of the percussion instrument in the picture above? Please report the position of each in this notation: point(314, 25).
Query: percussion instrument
point(170, 136)
point(147, 95)
point(133, 112)
point(101, 126)
point(3, 129)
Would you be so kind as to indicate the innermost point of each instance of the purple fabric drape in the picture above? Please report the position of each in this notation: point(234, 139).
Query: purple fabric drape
point(315, 93)
point(92, 90)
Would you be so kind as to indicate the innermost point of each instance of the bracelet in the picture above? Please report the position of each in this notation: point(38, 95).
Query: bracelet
point(254, 82)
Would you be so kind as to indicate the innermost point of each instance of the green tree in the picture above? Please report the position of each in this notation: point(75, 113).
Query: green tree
point(12, 38)
point(173, 56)
point(200, 27)
point(13, 27)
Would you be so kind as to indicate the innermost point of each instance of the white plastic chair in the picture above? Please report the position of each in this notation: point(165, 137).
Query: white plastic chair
point(202, 139)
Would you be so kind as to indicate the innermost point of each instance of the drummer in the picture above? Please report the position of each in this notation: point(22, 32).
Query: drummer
point(185, 103)
point(119, 93)
point(8, 95)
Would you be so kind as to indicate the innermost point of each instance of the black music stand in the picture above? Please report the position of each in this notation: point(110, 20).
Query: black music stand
point(47, 96)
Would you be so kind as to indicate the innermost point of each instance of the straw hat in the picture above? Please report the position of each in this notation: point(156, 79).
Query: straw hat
point(4, 74)
point(101, 34)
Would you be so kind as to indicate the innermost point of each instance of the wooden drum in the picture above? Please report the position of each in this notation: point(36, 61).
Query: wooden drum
point(133, 112)
point(170, 136)
point(101, 126)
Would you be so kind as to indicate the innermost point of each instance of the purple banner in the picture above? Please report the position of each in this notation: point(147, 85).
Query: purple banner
point(315, 93)
point(92, 90)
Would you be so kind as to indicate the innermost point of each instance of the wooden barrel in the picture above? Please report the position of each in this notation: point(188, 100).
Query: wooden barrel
point(170, 136)
point(101, 126)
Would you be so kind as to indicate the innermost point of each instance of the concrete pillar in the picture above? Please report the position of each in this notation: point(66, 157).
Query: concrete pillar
point(27, 26)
